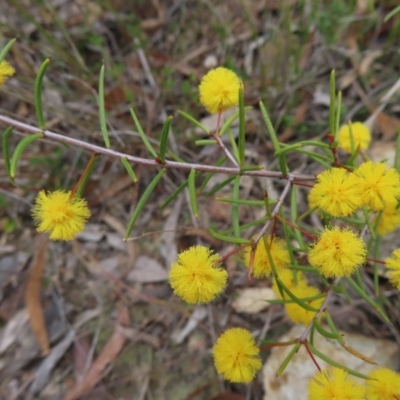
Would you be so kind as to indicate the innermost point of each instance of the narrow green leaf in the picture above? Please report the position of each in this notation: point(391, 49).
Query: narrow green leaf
point(243, 227)
point(334, 363)
point(324, 332)
point(312, 335)
point(235, 208)
point(245, 202)
point(391, 13)
point(298, 301)
point(229, 121)
point(226, 238)
point(143, 136)
point(38, 93)
point(205, 142)
point(129, 169)
point(242, 127)
point(6, 49)
point(371, 302)
point(194, 121)
point(102, 109)
point(289, 301)
point(338, 108)
point(283, 165)
point(235, 149)
point(292, 147)
point(86, 178)
point(293, 213)
point(251, 168)
point(333, 328)
point(218, 187)
point(174, 195)
point(6, 150)
point(164, 138)
point(142, 202)
point(192, 193)
point(286, 361)
point(19, 150)
point(270, 127)
point(332, 104)
point(211, 174)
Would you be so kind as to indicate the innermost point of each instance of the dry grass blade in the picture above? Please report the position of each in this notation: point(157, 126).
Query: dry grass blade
point(107, 355)
point(32, 294)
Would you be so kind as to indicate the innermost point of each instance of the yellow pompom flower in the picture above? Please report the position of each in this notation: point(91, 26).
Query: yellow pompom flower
point(336, 192)
point(219, 90)
point(261, 264)
point(196, 277)
point(337, 252)
point(380, 186)
point(334, 384)
point(383, 385)
point(59, 214)
point(6, 71)
point(350, 137)
point(290, 279)
point(393, 264)
point(297, 313)
point(236, 356)
point(297, 284)
point(389, 220)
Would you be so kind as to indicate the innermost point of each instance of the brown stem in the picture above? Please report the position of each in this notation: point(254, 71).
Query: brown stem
point(56, 137)
point(87, 169)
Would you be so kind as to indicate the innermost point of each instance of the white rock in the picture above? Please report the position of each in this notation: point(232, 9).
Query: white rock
point(253, 300)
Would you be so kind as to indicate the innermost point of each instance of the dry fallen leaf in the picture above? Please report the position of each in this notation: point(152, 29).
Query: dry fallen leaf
point(108, 355)
point(32, 294)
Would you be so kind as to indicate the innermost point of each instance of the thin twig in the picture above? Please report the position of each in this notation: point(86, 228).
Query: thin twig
point(276, 209)
point(56, 137)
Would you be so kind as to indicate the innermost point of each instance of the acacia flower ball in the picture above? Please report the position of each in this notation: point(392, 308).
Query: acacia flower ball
point(336, 192)
point(219, 90)
point(195, 276)
point(6, 71)
point(236, 356)
point(384, 385)
point(350, 137)
point(299, 314)
point(389, 219)
point(59, 214)
point(337, 252)
point(261, 264)
point(393, 264)
point(380, 186)
point(290, 279)
point(334, 383)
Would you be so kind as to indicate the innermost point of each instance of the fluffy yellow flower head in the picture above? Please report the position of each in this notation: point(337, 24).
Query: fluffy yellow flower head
point(290, 280)
point(337, 252)
point(297, 313)
point(261, 264)
point(389, 220)
point(236, 356)
point(334, 384)
point(336, 192)
point(300, 289)
point(195, 276)
point(219, 90)
point(6, 70)
point(59, 214)
point(393, 264)
point(380, 186)
point(350, 139)
point(384, 385)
